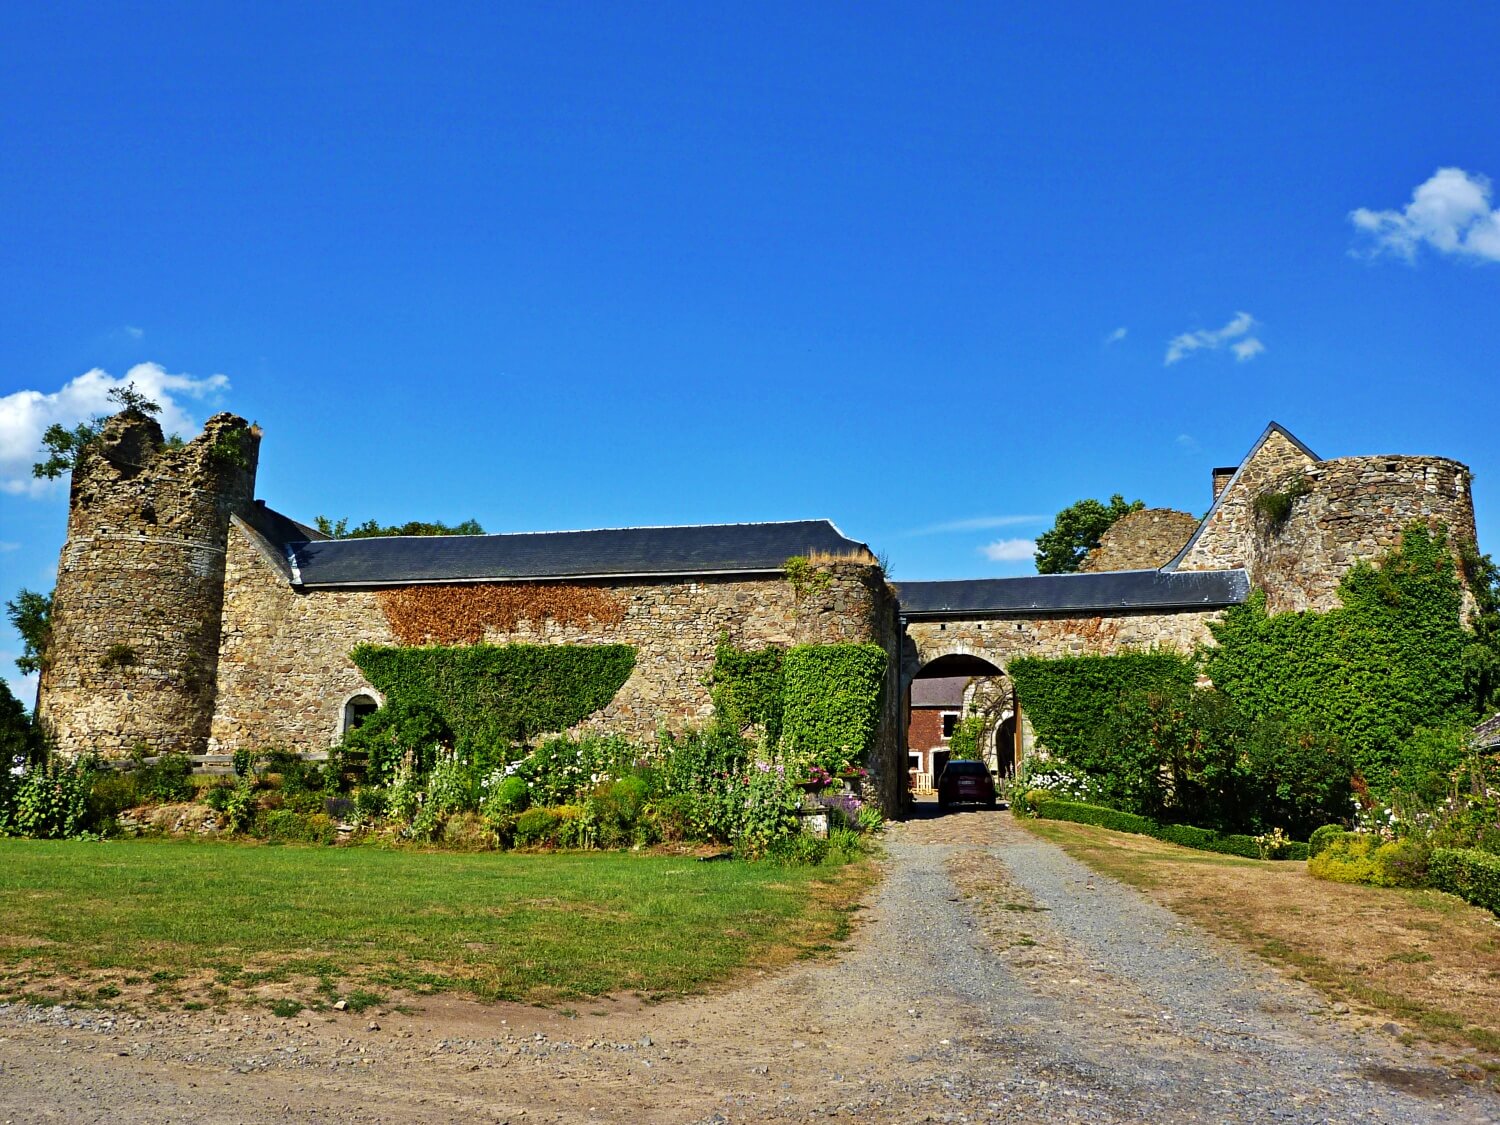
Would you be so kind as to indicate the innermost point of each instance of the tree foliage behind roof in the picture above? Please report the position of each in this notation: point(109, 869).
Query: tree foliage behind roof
point(340, 529)
point(1076, 532)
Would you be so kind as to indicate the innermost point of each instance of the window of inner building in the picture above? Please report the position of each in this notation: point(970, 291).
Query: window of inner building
point(950, 723)
point(357, 710)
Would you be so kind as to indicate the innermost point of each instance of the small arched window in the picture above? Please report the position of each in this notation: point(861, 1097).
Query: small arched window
point(357, 710)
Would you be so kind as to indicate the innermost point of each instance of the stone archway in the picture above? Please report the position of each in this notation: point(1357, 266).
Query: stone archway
point(940, 693)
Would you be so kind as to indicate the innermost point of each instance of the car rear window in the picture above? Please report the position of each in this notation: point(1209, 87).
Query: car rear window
point(967, 769)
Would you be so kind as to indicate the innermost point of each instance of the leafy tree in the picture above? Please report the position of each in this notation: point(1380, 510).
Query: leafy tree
point(1481, 656)
point(31, 615)
point(340, 529)
point(64, 446)
point(1076, 532)
point(18, 736)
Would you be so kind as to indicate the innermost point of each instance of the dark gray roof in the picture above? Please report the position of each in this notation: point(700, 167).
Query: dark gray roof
point(1487, 733)
point(735, 548)
point(939, 691)
point(1066, 593)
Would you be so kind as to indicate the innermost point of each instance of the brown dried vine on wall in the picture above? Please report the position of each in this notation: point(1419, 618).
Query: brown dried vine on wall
point(451, 615)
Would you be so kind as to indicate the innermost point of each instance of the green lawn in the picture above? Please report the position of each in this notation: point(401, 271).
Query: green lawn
point(198, 923)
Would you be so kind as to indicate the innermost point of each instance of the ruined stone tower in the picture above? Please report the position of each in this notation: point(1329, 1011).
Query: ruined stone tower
point(140, 587)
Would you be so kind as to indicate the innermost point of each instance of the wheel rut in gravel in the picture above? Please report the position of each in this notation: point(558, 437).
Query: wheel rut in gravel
point(993, 978)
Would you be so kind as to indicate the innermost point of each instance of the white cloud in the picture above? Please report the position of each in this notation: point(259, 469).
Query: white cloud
point(1236, 334)
point(1010, 550)
point(1188, 443)
point(975, 523)
point(1116, 336)
point(24, 415)
point(133, 332)
point(1247, 348)
point(1451, 213)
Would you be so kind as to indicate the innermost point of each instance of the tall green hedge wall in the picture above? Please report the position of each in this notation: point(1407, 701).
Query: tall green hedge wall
point(747, 685)
point(831, 697)
point(1067, 698)
point(494, 695)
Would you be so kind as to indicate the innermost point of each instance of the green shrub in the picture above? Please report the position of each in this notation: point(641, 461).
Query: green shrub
point(1471, 874)
point(1067, 699)
point(1322, 837)
point(511, 795)
point(617, 810)
point(50, 800)
point(563, 769)
point(111, 792)
point(241, 807)
point(674, 816)
point(844, 845)
point(554, 826)
point(1347, 858)
point(403, 731)
point(244, 763)
point(370, 802)
point(1184, 835)
point(168, 780)
point(217, 795)
point(831, 702)
point(798, 850)
point(284, 826)
point(469, 832)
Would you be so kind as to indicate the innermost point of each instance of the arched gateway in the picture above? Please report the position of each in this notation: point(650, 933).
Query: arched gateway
point(959, 638)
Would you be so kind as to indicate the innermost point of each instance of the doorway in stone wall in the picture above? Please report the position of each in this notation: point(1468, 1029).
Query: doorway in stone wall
point(945, 691)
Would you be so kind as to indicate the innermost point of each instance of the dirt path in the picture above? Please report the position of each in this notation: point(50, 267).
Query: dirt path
point(994, 979)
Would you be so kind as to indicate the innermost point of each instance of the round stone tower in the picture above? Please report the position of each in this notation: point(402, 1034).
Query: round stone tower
point(140, 587)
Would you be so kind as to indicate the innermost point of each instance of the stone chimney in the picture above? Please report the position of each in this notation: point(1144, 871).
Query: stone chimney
point(1222, 477)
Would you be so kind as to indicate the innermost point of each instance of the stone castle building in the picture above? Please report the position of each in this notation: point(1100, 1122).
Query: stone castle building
point(190, 616)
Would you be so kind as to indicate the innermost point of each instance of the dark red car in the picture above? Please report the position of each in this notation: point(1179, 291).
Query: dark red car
point(966, 783)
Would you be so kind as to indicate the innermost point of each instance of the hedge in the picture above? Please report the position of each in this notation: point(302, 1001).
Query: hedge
point(498, 694)
point(748, 686)
point(1066, 698)
point(1472, 875)
point(1182, 834)
point(831, 697)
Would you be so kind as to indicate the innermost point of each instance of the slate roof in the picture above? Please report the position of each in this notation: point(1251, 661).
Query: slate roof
point(1487, 733)
point(1105, 591)
point(939, 691)
point(737, 548)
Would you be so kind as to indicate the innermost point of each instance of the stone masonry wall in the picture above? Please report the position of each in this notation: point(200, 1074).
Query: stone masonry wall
point(1228, 538)
point(1003, 639)
point(285, 670)
point(136, 611)
point(1355, 510)
point(1143, 540)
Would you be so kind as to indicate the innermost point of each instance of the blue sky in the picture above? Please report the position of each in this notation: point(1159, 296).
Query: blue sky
point(905, 267)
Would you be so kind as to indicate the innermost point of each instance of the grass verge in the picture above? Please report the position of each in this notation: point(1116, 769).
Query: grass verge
point(191, 923)
point(1423, 958)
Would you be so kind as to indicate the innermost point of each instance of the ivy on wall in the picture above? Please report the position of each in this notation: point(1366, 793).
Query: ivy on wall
point(460, 614)
point(1068, 698)
point(494, 696)
point(1387, 661)
point(746, 686)
point(831, 696)
point(818, 702)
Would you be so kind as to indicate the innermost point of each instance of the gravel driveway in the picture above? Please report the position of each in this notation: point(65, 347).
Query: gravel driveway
point(993, 979)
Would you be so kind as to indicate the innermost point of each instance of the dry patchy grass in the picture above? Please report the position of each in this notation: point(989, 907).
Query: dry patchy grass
point(1421, 957)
